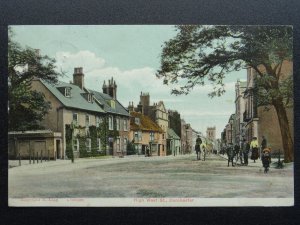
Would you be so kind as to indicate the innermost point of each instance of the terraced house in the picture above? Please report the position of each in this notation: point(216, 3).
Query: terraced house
point(91, 123)
point(145, 133)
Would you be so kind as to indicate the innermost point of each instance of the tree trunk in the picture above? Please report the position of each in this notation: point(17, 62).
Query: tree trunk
point(287, 141)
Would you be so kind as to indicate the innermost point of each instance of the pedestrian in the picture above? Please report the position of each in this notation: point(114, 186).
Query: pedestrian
point(230, 154)
point(266, 159)
point(203, 150)
point(245, 150)
point(263, 143)
point(254, 148)
point(197, 147)
point(237, 152)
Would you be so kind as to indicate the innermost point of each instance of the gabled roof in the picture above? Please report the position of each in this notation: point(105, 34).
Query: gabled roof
point(146, 124)
point(172, 134)
point(105, 100)
point(77, 99)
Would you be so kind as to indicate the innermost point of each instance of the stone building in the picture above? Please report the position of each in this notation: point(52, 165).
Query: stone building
point(240, 88)
point(259, 121)
point(85, 118)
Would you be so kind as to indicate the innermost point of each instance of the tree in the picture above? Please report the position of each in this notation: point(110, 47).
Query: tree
point(27, 107)
point(201, 54)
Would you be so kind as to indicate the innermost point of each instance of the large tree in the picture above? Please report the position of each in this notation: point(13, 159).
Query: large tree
point(27, 107)
point(201, 54)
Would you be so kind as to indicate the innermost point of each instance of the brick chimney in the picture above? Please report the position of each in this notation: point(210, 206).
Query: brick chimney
point(78, 77)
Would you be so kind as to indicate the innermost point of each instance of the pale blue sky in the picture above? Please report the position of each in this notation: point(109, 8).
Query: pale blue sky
point(131, 54)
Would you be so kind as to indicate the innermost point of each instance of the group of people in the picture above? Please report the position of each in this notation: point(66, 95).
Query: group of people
point(242, 152)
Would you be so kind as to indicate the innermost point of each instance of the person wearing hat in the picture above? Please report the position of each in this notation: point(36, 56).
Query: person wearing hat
point(254, 148)
point(266, 158)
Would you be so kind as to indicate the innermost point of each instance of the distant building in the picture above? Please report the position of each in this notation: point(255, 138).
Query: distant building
point(173, 143)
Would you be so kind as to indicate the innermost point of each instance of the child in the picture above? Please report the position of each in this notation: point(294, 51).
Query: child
point(266, 159)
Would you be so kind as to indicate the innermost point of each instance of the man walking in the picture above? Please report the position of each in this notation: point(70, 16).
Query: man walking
point(245, 150)
point(197, 147)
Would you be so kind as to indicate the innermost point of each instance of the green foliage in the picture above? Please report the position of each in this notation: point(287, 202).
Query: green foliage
point(201, 54)
point(131, 149)
point(27, 107)
point(68, 141)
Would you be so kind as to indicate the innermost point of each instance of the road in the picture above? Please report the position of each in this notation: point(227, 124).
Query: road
point(155, 177)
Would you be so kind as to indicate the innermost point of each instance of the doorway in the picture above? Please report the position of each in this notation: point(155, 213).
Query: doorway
point(58, 153)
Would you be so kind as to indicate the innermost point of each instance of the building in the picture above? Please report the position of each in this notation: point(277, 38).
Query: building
point(240, 88)
point(211, 133)
point(173, 143)
point(230, 130)
point(89, 121)
point(145, 133)
point(186, 137)
point(44, 144)
point(258, 120)
point(157, 113)
point(117, 117)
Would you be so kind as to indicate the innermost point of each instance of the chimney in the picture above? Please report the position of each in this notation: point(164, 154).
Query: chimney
point(131, 107)
point(104, 88)
point(78, 77)
point(140, 108)
point(112, 88)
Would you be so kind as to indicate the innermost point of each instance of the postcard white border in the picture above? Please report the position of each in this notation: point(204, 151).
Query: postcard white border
point(149, 202)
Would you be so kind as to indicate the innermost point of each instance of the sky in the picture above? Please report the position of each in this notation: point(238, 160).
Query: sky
point(131, 55)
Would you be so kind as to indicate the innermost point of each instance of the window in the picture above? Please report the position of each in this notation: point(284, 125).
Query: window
point(151, 136)
point(89, 97)
point(137, 120)
point(125, 143)
point(87, 120)
point(140, 135)
point(110, 123)
point(75, 117)
point(68, 92)
point(163, 136)
point(136, 136)
point(118, 144)
point(98, 121)
point(125, 123)
point(98, 144)
point(88, 144)
point(75, 146)
point(118, 123)
point(112, 104)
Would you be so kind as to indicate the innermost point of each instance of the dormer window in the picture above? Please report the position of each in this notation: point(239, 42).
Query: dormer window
point(68, 92)
point(137, 121)
point(89, 98)
point(112, 104)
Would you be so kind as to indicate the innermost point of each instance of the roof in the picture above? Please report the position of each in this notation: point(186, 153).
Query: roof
point(146, 124)
point(76, 100)
point(105, 99)
point(172, 135)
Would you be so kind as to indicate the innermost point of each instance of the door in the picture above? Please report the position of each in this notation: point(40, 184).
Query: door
point(58, 150)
